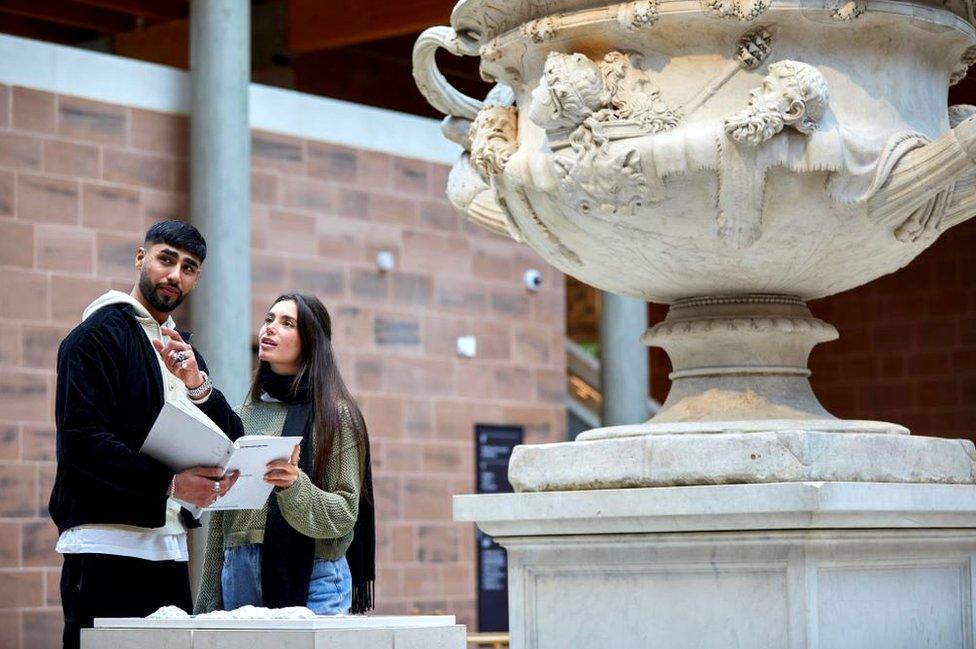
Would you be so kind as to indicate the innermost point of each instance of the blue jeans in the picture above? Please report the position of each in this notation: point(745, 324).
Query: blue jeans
point(329, 589)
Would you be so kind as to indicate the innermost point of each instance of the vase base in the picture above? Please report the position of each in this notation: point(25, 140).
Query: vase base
point(703, 454)
point(750, 426)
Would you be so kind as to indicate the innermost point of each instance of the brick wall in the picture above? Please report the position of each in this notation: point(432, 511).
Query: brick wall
point(79, 183)
point(907, 347)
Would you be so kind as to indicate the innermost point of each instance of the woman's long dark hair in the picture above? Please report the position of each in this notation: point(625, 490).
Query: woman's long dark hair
point(327, 390)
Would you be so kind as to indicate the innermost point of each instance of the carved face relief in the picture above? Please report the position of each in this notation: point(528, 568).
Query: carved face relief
point(493, 139)
point(571, 89)
point(604, 185)
point(792, 94)
point(597, 181)
point(634, 96)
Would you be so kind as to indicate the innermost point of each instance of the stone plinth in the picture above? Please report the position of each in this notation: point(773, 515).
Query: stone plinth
point(680, 454)
point(353, 632)
point(757, 566)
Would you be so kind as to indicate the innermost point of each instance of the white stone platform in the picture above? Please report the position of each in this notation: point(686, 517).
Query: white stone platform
point(759, 566)
point(741, 452)
point(339, 632)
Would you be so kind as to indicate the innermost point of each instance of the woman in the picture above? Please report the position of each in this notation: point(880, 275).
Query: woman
point(294, 551)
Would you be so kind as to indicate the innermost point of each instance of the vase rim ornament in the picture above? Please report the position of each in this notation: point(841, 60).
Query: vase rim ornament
point(477, 22)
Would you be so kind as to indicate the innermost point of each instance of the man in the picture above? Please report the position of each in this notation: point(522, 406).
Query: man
point(792, 94)
point(122, 535)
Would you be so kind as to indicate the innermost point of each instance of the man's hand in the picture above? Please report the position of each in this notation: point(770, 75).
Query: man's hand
point(202, 485)
point(179, 358)
point(284, 473)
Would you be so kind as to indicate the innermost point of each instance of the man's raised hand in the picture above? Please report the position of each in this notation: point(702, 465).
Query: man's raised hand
point(179, 358)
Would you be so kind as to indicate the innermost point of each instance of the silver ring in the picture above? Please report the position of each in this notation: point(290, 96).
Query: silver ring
point(179, 357)
point(183, 365)
point(216, 487)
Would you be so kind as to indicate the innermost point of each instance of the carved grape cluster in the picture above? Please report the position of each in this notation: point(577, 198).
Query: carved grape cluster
point(744, 10)
point(637, 15)
point(753, 48)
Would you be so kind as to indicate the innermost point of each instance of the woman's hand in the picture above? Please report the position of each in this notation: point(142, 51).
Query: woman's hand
point(284, 473)
point(179, 359)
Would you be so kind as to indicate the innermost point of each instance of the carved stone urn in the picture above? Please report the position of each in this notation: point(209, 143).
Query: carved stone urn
point(733, 159)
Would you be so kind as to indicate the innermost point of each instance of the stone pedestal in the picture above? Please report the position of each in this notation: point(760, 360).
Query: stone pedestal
point(353, 632)
point(753, 566)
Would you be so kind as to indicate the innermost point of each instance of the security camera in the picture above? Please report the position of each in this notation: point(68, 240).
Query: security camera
point(532, 279)
point(385, 261)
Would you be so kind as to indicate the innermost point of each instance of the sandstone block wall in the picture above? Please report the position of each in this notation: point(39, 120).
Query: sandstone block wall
point(81, 180)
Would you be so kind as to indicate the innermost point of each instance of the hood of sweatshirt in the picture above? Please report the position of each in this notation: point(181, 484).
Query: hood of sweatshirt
point(118, 297)
point(115, 297)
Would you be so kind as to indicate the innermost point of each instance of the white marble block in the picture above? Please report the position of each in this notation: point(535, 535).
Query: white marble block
point(763, 566)
point(353, 632)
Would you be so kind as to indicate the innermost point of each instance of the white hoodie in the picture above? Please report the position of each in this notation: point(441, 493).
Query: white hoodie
point(167, 543)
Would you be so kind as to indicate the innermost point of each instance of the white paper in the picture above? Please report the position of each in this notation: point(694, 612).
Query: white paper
point(251, 457)
point(183, 437)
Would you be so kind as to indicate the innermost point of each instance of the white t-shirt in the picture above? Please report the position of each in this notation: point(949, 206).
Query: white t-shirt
point(166, 543)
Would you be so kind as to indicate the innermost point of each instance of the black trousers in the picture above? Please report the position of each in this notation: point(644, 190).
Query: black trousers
point(102, 585)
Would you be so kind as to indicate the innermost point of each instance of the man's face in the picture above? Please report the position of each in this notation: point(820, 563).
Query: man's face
point(166, 275)
point(773, 95)
point(566, 76)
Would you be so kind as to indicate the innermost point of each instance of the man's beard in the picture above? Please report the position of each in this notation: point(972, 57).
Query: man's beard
point(753, 125)
point(162, 303)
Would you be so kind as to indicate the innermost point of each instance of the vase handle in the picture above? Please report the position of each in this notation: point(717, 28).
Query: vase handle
point(432, 84)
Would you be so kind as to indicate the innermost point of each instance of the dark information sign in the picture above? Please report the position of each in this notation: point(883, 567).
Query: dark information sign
point(493, 448)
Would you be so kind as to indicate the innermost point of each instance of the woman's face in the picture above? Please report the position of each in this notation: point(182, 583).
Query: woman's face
point(278, 340)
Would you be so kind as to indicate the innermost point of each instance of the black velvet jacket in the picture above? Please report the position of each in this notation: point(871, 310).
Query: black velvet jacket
point(109, 392)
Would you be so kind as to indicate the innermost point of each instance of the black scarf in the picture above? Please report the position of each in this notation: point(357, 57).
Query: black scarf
point(287, 555)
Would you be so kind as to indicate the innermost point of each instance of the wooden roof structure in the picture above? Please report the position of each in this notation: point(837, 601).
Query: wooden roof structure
point(357, 51)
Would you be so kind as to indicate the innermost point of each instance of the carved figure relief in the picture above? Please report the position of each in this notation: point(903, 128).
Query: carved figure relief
point(751, 51)
point(927, 221)
point(571, 90)
point(579, 94)
point(741, 9)
point(637, 15)
point(600, 180)
point(494, 138)
point(792, 94)
point(490, 133)
point(846, 10)
point(633, 96)
point(574, 89)
point(965, 61)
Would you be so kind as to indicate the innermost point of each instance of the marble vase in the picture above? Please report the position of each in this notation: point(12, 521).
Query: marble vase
point(733, 159)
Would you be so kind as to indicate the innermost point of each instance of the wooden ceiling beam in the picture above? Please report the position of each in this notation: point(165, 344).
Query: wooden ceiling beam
point(152, 10)
point(71, 14)
point(40, 30)
point(314, 25)
point(166, 43)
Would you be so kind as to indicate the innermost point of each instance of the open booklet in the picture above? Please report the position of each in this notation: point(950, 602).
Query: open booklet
point(183, 437)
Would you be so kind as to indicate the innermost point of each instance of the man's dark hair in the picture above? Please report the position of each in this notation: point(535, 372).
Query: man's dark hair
point(178, 234)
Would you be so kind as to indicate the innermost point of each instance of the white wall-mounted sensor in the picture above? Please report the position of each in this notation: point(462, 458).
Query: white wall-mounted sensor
point(467, 346)
point(385, 261)
point(532, 279)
